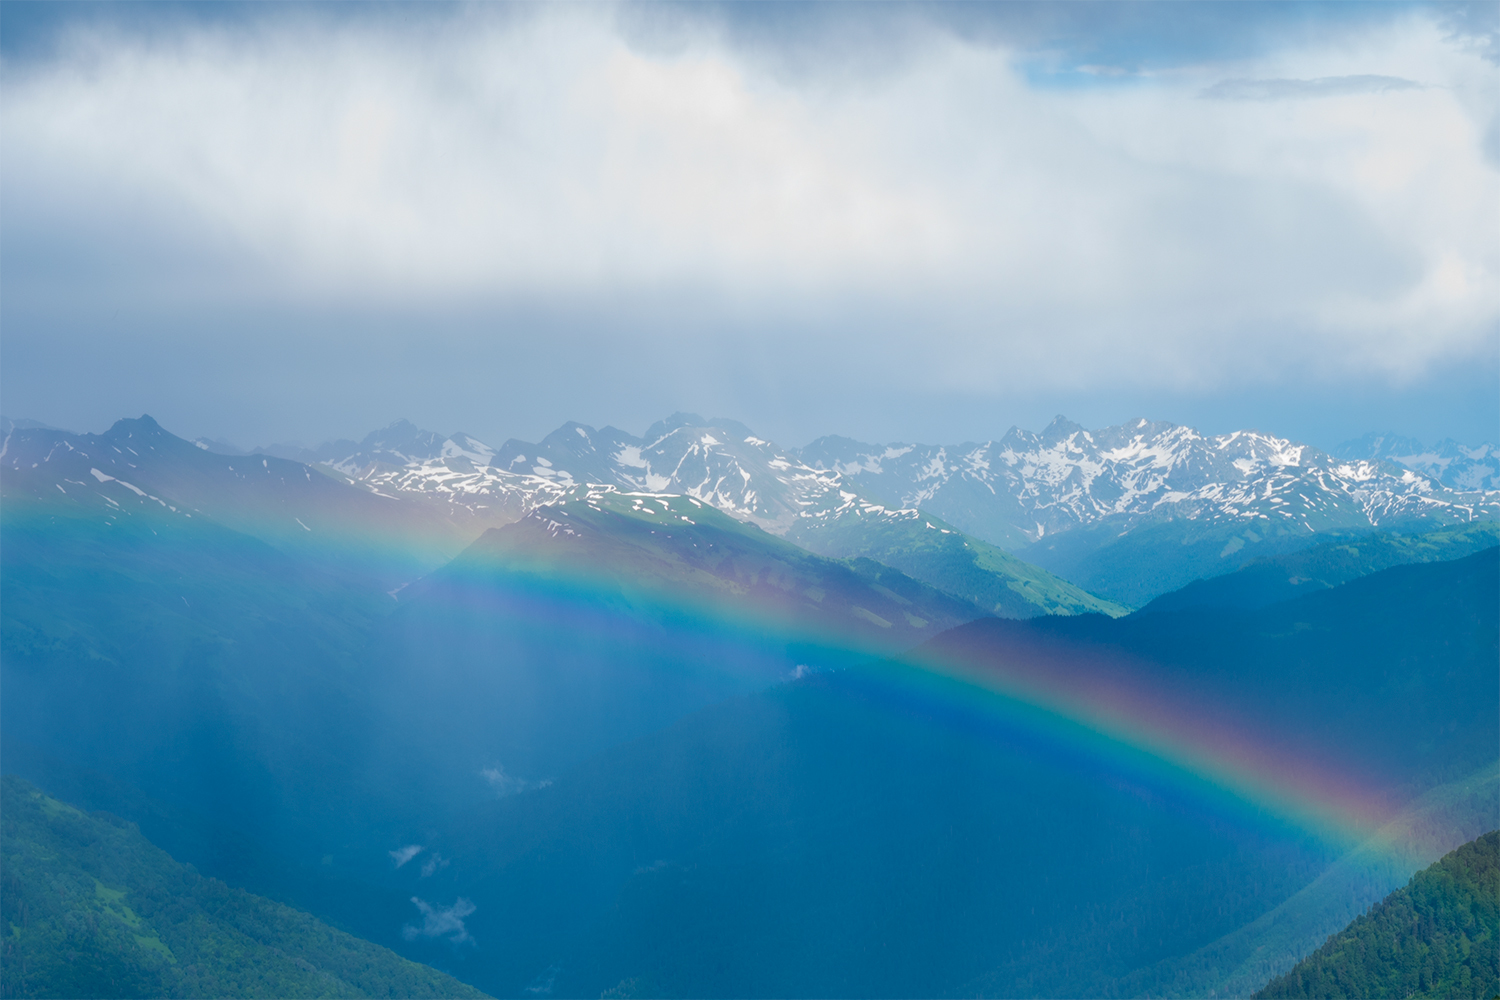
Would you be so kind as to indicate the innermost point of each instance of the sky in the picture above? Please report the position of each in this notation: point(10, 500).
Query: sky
point(292, 223)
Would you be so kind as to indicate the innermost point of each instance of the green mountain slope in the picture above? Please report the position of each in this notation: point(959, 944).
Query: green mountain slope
point(93, 909)
point(933, 551)
point(1270, 579)
point(676, 547)
point(1161, 556)
point(1437, 937)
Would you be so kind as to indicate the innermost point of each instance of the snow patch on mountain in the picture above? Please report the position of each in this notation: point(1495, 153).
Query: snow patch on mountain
point(1012, 491)
point(1025, 485)
point(1457, 466)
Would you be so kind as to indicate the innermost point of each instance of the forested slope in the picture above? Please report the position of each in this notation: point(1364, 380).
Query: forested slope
point(92, 909)
point(1437, 937)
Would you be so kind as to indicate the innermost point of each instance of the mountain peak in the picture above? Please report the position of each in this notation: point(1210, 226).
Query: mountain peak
point(1060, 428)
point(734, 427)
point(402, 428)
point(22, 424)
point(1379, 445)
point(662, 428)
point(399, 443)
point(144, 425)
point(575, 439)
point(1451, 463)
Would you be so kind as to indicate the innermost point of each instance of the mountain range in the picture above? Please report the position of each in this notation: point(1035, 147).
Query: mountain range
point(426, 511)
point(1450, 463)
point(1096, 508)
point(1122, 514)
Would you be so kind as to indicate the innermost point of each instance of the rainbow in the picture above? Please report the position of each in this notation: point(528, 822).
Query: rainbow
point(1191, 747)
point(1098, 717)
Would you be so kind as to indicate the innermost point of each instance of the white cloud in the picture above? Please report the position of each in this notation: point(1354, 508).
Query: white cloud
point(1068, 237)
point(503, 784)
point(404, 854)
point(440, 921)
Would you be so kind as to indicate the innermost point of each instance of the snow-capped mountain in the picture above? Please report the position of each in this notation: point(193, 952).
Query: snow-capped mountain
point(458, 472)
point(1450, 463)
point(1136, 510)
point(1015, 491)
point(670, 544)
point(399, 444)
point(1023, 487)
point(1125, 512)
point(718, 462)
point(1059, 498)
point(138, 473)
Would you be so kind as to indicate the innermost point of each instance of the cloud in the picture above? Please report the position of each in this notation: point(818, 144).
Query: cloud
point(1328, 86)
point(432, 864)
point(505, 784)
point(404, 854)
point(542, 985)
point(438, 921)
point(500, 782)
point(685, 204)
point(1474, 26)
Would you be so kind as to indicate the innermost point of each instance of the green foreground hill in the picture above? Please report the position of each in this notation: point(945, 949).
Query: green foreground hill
point(90, 908)
point(1437, 937)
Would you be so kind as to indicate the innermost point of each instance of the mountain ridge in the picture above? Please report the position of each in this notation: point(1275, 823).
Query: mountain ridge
point(1451, 463)
point(450, 490)
point(1100, 508)
point(1123, 513)
point(1270, 579)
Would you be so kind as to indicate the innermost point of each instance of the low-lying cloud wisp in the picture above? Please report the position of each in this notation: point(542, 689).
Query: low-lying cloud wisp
point(440, 921)
point(503, 784)
point(404, 854)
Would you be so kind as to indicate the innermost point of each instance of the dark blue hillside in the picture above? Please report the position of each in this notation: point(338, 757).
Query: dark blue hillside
point(597, 620)
point(1391, 674)
point(823, 840)
point(838, 837)
point(1272, 579)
